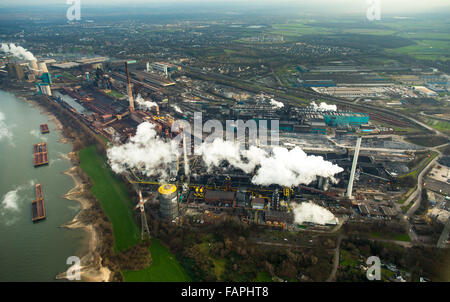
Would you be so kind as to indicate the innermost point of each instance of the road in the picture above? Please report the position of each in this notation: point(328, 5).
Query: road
point(336, 260)
point(417, 195)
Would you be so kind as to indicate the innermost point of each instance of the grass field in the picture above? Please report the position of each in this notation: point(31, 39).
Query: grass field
point(164, 267)
point(113, 198)
point(263, 277)
point(426, 50)
point(439, 125)
point(115, 94)
point(398, 237)
point(219, 267)
point(347, 259)
point(297, 29)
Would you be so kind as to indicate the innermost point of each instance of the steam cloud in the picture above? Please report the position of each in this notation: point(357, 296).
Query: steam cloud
point(10, 204)
point(151, 155)
point(310, 212)
point(282, 166)
point(145, 104)
point(4, 130)
point(177, 109)
point(145, 151)
point(36, 133)
point(276, 104)
point(17, 51)
point(10, 201)
point(323, 107)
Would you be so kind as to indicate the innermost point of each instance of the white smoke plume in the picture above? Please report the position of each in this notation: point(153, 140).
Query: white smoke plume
point(323, 107)
point(151, 156)
point(276, 104)
point(293, 167)
point(213, 154)
point(282, 166)
point(5, 133)
point(148, 105)
point(11, 203)
point(36, 133)
point(17, 51)
point(145, 151)
point(310, 212)
point(177, 109)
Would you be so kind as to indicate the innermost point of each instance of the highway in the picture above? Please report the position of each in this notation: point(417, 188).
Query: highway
point(417, 195)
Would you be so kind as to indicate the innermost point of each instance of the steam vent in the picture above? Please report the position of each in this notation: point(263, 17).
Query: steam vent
point(168, 206)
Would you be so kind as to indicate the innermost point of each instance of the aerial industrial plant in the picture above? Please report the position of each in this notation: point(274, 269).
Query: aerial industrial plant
point(243, 151)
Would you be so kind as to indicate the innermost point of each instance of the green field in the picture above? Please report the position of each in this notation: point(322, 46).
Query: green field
point(263, 277)
point(113, 198)
point(297, 29)
point(426, 50)
point(115, 94)
point(398, 237)
point(164, 267)
point(439, 125)
point(347, 259)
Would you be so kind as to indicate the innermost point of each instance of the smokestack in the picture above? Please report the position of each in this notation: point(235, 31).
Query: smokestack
point(148, 66)
point(352, 173)
point(130, 91)
point(186, 162)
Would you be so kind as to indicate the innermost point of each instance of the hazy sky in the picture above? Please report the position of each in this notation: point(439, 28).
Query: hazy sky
point(387, 6)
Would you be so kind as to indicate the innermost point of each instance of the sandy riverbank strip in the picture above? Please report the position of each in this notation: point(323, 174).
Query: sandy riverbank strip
point(91, 263)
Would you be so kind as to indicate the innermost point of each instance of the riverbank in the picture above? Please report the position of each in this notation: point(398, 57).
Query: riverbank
point(91, 263)
point(87, 219)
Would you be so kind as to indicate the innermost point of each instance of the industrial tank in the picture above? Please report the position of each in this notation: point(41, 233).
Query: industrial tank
point(168, 205)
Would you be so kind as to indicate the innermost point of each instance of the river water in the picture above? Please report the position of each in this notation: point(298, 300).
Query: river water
point(33, 251)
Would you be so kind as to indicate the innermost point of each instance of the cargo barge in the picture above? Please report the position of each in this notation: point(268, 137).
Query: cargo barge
point(40, 154)
point(44, 129)
point(37, 205)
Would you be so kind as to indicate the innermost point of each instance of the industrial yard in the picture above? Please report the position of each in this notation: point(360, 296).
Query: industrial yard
point(348, 153)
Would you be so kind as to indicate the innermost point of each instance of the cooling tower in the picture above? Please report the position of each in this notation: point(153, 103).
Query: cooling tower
point(42, 67)
point(34, 67)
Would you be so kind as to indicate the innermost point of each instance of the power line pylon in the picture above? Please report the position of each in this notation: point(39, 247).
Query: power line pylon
point(144, 225)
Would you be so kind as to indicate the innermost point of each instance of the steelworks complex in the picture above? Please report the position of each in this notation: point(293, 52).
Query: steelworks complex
point(114, 97)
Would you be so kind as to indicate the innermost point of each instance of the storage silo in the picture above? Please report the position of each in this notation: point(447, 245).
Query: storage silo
point(168, 204)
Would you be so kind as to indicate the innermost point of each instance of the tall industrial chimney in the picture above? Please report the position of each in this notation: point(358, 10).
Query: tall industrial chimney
point(130, 91)
point(186, 161)
point(352, 173)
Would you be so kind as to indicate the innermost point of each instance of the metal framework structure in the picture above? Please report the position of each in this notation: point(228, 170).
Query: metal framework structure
point(144, 226)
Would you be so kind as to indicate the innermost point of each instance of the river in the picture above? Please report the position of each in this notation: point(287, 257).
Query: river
point(33, 251)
